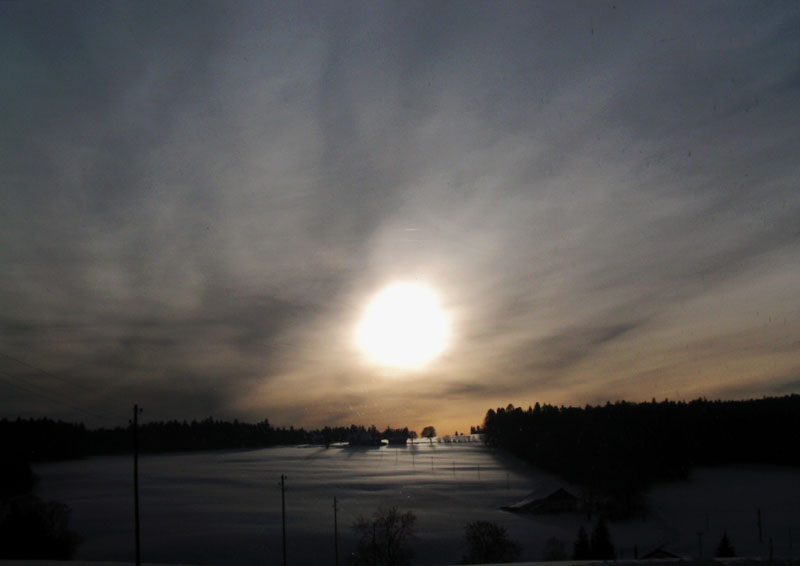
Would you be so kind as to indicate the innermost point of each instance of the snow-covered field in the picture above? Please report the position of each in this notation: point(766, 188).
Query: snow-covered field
point(225, 507)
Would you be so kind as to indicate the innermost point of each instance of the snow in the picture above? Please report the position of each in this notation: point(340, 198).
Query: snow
point(225, 507)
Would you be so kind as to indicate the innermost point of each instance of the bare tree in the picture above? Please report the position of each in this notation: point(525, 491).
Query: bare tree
point(429, 432)
point(384, 540)
point(488, 542)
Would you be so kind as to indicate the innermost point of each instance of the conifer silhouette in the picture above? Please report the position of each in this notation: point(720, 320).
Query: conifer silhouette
point(581, 549)
point(725, 548)
point(602, 548)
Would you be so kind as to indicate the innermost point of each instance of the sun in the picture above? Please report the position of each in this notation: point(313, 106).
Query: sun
point(403, 326)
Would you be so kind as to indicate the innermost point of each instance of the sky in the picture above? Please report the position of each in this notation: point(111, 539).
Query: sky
point(200, 199)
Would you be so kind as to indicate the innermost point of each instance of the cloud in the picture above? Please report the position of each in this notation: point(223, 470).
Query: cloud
point(202, 197)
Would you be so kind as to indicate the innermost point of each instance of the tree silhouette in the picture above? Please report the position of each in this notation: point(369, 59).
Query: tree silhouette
point(384, 540)
point(725, 548)
point(488, 542)
point(617, 452)
point(31, 528)
point(555, 550)
point(602, 548)
point(429, 432)
point(581, 550)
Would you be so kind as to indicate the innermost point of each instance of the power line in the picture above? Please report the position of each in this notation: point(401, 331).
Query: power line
point(65, 381)
point(11, 382)
point(40, 370)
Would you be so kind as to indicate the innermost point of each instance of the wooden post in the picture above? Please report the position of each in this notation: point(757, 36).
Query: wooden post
point(335, 531)
point(283, 515)
point(136, 411)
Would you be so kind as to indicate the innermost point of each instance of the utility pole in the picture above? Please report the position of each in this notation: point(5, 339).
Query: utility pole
point(136, 411)
point(283, 515)
point(336, 530)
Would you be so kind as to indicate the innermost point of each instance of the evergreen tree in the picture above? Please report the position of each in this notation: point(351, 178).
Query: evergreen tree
point(554, 550)
point(602, 548)
point(725, 548)
point(618, 451)
point(581, 549)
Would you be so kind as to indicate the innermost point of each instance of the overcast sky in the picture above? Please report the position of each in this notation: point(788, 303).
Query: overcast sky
point(199, 199)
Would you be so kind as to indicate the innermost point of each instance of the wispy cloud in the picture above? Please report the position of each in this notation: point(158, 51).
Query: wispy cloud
point(201, 197)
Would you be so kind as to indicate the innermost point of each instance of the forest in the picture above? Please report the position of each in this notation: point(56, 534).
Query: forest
point(38, 440)
point(615, 452)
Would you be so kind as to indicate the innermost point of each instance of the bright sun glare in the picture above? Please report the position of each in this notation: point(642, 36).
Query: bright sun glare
point(403, 326)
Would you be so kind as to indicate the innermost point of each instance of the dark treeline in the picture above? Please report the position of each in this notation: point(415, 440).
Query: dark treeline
point(37, 440)
point(617, 451)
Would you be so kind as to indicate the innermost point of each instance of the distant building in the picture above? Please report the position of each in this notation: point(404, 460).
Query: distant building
point(558, 501)
point(658, 553)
